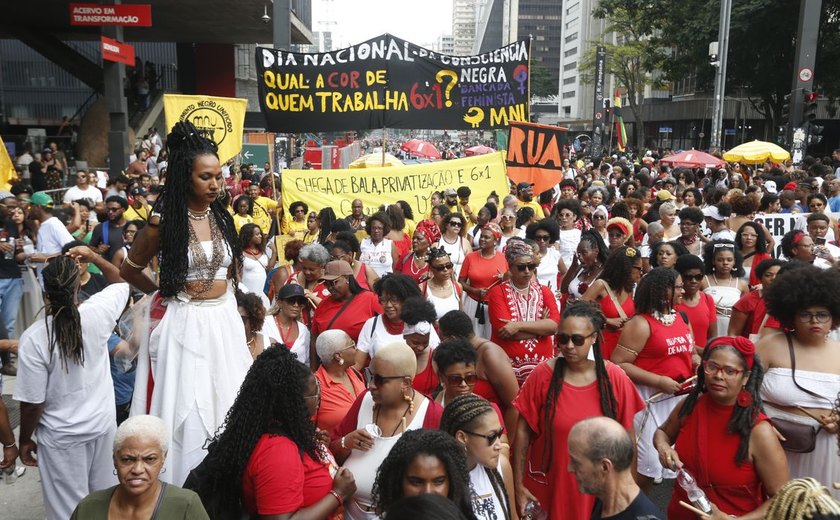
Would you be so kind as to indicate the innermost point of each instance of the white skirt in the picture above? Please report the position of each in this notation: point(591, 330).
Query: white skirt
point(470, 306)
point(645, 423)
point(198, 358)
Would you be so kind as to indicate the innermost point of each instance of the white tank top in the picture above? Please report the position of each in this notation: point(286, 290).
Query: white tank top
point(443, 305)
point(455, 252)
point(378, 257)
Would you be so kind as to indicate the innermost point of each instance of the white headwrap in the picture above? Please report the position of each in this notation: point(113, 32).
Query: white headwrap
point(424, 328)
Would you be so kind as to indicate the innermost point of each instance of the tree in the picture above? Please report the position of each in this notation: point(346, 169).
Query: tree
point(634, 58)
point(542, 84)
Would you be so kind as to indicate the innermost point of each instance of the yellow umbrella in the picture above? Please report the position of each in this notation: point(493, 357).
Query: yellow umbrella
point(756, 152)
point(374, 160)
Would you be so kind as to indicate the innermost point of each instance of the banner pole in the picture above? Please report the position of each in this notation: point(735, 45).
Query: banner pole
point(384, 143)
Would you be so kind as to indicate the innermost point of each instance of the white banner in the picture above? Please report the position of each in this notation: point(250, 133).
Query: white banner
point(780, 223)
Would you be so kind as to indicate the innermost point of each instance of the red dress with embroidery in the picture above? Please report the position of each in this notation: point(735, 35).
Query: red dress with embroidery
point(506, 303)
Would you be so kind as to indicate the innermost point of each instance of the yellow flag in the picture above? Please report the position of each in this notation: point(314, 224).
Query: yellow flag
point(7, 169)
point(218, 118)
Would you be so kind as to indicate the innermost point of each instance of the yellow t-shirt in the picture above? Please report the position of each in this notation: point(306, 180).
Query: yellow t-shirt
point(239, 221)
point(264, 209)
point(533, 204)
point(134, 214)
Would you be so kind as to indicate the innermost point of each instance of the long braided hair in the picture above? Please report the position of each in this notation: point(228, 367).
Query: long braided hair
point(609, 405)
point(462, 414)
point(743, 418)
point(803, 498)
point(61, 280)
point(270, 401)
point(185, 143)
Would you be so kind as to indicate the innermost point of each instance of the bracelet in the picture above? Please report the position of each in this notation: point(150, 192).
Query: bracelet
point(12, 445)
point(132, 264)
point(337, 497)
point(343, 447)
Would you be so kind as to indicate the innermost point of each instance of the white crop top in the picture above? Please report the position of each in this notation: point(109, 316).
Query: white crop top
point(221, 273)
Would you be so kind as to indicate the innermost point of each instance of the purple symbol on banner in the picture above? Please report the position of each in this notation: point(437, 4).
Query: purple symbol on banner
point(520, 74)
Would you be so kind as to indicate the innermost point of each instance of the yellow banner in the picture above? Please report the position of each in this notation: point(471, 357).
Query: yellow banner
point(218, 118)
point(413, 184)
point(7, 169)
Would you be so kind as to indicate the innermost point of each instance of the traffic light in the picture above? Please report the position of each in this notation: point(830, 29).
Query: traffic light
point(814, 133)
point(809, 106)
point(786, 109)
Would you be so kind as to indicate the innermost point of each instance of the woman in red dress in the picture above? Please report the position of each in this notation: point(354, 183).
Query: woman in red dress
point(481, 270)
point(613, 290)
point(416, 264)
point(749, 314)
point(722, 438)
point(523, 313)
point(557, 394)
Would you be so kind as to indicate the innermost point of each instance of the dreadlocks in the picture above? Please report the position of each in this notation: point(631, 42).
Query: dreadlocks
point(743, 418)
point(388, 486)
point(609, 405)
point(803, 498)
point(271, 400)
point(185, 143)
point(462, 414)
point(61, 280)
point(652, 294)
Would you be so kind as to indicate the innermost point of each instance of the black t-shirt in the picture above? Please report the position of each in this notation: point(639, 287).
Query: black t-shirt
point(639, 509)
point(8, 267)
point(96, 283)
point(115, 239)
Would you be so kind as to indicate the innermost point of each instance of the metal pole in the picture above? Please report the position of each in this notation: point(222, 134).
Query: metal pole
point(803, 70)
point(282, 24)
point(720, 76)
point(114, 75)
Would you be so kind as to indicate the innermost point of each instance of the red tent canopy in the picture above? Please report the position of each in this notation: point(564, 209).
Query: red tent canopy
point(478, 150)
point(692, 159)
point(421, 149)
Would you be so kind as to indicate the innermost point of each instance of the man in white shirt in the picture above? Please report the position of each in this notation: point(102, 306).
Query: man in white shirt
point(52, 234)
point(716, 220)
point(65, 392)
point(83, 190)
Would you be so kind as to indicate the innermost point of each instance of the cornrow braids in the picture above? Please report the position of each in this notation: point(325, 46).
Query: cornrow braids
point(461, 414)
point(61, 279)
point(185, 143)
point(803, 498)
point(436, 252)
point(387, 488)
point(743, 418)
point(270, 401)
point(609, 404)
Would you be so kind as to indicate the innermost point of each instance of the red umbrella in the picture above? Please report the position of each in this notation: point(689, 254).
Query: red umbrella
point(693, 159)
point(421, 149)
point(478, 150)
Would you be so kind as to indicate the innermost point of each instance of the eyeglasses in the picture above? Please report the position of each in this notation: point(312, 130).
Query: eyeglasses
point(508, 216)
point(391, 300)
point(525, 267)
point(377, 379)
point(491, 437)
point(317, 394)
point(542, 238)
point(711, 368)
point(331, 283)
point(300, 211)
point(457, 379)
point(819, 317)
point(577, 339)
point(444, 267)
point(692, 277)
point(638, 267)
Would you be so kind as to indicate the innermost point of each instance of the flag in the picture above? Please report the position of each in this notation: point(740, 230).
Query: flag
point(620, 132)
point(7, 169)
point(219, 119)
point(535, 154)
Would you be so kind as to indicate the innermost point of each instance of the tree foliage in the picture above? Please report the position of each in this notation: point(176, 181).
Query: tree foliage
point(543, 85)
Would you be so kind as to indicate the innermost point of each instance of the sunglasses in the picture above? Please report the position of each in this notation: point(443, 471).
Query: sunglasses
point(491, 437)
point(296, 301)
point(577, 339)
point(331, 283)
point(457, 379)
point(377, 379)
point(692, 277)
point(443, 267)
point(300, 211)
point(455, 224)
point(525, 267)
point(542, 238)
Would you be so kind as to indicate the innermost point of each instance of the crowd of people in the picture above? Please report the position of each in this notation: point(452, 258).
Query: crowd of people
point(549, 355)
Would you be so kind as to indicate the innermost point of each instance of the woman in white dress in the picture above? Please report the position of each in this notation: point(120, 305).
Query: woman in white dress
point(379, 252)
point(567, 212)
point(255, 261)
point(723, 281)
point(802, 378)
point(453, 240)
point(546, 233)
point(442, 290)
point(190, 371)
point(283, 323)
point(507, 221)
point(252, 312)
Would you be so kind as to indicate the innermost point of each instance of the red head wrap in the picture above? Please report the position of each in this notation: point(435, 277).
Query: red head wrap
point(495, 229)
point(428, 229)
point(740, 343)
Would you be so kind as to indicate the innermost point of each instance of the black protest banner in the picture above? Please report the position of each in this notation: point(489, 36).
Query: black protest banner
point(389, 82)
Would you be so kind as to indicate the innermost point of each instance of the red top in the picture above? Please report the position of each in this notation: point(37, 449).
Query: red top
point(700, 316)
point(667, 351)
point(486, 390)
point(279, 480)
point(349, 424)
point(752, 304)
point(426, 381)
point(406, 266)
point(362, 277)
point(403, 245)
point(351, 320)
point(708, 449)
point(481, 272)
point(504, 302)
point(561, 496)
point(757, 259)
point(335, 398)
point(638, 234)
point(609, 309)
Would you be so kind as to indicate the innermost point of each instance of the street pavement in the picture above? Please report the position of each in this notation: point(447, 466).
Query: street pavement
point(23, 499)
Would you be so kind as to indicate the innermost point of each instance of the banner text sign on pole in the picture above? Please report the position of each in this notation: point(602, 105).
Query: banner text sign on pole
point(129, 15)
point(413, 184)
point(389, 82)
point(219, 119)
point(535, 154)
point(113, 50)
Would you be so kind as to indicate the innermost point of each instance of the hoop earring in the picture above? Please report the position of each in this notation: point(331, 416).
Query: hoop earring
point(115, 471)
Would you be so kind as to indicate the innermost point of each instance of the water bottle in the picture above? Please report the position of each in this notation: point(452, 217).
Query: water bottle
point(11, 474)
point(695, 495)
point(533, 511)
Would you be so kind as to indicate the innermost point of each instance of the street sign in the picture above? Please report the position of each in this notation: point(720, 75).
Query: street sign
point(806, 74)
point(112, 50)
point(665, 130)
point(729, 131)
point(256, 154)
point(129, 15)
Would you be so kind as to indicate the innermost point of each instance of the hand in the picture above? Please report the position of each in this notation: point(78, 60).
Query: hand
point(667, 385)
point(717, 514)
point(7, 247)
point(523, 496)
point(27, 451)
point(669, 458)
point(616, 323)
point(83, 253)
point(509, 330)
point(102, 248)
point(323, 436)
point(830, 422)
point(344, 483)
point(482, 293)
point(358, 440)
point(10, 455)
